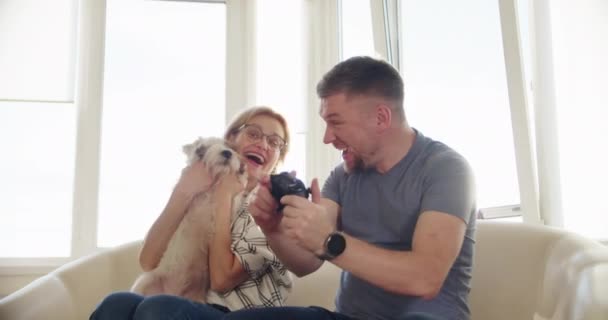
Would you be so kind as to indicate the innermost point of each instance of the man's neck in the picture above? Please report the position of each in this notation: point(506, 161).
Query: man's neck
point(395, 146)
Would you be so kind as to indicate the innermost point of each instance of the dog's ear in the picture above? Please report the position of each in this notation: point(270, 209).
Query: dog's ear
point(188, 148)
point(197, 147)
point(200, 152)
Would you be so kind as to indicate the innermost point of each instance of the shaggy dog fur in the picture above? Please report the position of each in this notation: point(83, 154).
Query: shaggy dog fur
point(184, 267)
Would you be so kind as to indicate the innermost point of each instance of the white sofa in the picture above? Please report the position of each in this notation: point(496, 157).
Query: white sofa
point(520, 272)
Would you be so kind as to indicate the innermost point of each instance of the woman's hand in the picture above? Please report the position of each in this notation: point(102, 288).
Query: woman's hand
point(229, 185)
point(195, 179)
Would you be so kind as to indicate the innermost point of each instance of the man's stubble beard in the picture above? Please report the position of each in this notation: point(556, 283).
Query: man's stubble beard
point(356, 165)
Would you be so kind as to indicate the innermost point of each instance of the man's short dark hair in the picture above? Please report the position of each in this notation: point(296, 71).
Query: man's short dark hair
point(363, 75)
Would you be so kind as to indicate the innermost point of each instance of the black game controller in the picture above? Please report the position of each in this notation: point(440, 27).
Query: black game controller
point(283, 184)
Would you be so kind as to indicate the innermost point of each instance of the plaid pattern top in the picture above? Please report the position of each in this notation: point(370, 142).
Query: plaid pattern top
point(269, 280)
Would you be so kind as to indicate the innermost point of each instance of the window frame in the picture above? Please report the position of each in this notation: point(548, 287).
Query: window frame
point(387, 38)
point(323, 24)
point(88, 101)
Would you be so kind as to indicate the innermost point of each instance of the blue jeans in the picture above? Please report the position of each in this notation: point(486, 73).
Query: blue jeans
point(303, 313)
point(131, 306)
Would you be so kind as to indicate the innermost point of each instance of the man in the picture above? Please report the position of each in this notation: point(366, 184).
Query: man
point(398, 216)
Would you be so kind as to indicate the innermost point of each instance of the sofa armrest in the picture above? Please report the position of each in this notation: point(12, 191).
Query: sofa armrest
point(536, 272)
point(590, 296)
point(44, 298)
point(73, 290)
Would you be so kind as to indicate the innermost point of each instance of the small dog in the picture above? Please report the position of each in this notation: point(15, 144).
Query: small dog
point(184, 267)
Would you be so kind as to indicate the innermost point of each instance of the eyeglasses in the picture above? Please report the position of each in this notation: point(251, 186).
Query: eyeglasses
point(255, 134)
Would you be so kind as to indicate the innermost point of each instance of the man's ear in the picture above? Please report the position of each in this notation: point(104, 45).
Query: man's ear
point(384, 116)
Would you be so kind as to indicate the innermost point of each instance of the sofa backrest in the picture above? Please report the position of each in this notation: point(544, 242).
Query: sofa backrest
point(117, 268)
point(316, 289)
point(520, 272)
point(37, 299)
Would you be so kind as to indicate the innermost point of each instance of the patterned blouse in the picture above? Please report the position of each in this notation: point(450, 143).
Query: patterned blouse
point(269, 280)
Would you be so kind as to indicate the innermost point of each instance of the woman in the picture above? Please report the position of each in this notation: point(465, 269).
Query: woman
point(244, 272)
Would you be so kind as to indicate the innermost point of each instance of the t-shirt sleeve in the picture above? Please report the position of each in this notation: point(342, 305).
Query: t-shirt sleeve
point(254, 253)
point(331, 188)
point(449, 186)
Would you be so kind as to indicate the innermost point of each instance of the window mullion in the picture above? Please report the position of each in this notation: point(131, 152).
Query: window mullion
point(89, 93)
point(547, 137)
point(522, 137)
point(381, 41)
point(385, 19)
point(240, 56)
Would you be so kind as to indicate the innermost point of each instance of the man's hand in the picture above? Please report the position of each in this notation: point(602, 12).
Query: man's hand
point(264, 208)
point(195, 179)
point(308, 222)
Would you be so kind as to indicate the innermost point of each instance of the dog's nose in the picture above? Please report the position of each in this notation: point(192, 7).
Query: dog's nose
point(227, 154)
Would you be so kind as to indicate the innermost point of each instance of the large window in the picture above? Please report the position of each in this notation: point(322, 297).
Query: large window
point(163, 87)
point(456, 91)
point(356, 29)
point(37, 55)
point(280, 71)
point(453, 67)
point(37, 127)
point(37, 175)
point(580, 31)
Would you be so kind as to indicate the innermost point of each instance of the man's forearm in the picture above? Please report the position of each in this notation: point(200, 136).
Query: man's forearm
point(297, 259)
point(401, 272)
point(420, 271)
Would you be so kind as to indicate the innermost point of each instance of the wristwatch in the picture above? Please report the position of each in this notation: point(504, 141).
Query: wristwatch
point(334, 246)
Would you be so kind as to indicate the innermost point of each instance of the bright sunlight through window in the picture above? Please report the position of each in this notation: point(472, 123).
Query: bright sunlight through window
point(164, 86)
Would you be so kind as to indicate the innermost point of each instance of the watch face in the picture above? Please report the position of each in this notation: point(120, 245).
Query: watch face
point(336, 244)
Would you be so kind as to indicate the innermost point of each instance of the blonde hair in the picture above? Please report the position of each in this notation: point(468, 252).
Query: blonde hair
point(244, 116)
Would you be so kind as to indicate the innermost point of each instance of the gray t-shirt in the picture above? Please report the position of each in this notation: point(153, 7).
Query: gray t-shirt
point(382, 209)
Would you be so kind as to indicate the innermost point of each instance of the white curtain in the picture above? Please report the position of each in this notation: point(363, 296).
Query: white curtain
point(323, 53)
